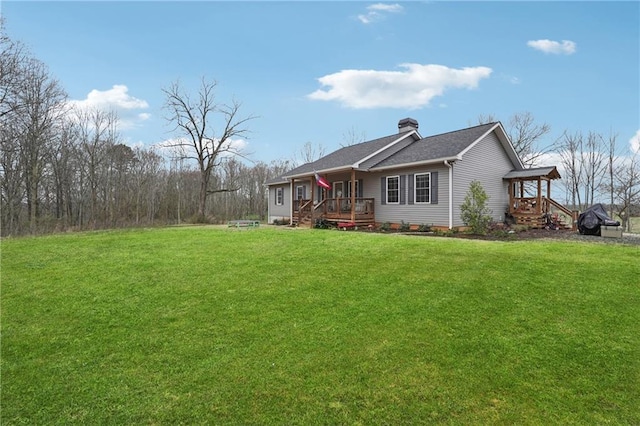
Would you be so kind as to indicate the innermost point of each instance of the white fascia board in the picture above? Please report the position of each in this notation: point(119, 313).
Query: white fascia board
point(306, 175)
point(417, 163)
point(356, 165)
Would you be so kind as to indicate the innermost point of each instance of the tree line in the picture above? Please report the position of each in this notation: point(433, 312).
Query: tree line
point(66, 168)
point(63, 167)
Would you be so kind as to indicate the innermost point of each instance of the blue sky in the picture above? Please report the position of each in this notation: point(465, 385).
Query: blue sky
point(319, 71)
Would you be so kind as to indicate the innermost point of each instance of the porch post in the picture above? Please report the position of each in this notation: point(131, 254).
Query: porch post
point(539, 195)
point(511, 209)
point(293, 200)
point(353, 195)
point(312, 190)
point(521, 189)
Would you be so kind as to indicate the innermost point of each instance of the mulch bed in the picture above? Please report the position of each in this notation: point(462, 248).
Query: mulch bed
point(536, 234)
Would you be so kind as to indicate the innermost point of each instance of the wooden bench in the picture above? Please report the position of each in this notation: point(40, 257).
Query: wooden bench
point(243, 223)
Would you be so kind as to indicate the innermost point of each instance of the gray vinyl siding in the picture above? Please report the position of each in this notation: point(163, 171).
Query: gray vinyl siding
point(283, 211)
point(414, 214)
point(486, 162)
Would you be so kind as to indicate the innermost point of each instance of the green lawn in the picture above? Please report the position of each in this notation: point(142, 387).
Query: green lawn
point(207, 325)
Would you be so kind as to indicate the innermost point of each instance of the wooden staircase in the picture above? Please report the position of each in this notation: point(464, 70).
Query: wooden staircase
point(551, 215)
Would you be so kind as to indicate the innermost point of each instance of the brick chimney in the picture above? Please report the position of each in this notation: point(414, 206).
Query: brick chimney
point(407, 124)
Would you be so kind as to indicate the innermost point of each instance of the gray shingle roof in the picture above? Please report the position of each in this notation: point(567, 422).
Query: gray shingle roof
point(346, 156)
point(407, 151)
point(445, 145)
point(550, 172)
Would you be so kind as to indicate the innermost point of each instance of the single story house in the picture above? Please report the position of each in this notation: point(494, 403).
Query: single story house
point(407, 178)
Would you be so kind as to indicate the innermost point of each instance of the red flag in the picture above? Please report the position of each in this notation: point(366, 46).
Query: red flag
point(322, 182)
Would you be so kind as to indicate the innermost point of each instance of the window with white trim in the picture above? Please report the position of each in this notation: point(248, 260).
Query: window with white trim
point(299, 192)
point(279, 196)
point(421, 187)
point(358, 190)
point(337, 189)
point(393, 189)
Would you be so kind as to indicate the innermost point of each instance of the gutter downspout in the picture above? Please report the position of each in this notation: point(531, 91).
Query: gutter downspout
point(450, 166)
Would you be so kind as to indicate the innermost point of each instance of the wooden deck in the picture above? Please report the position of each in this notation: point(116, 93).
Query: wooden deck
point(541, 212)
point(359, 212)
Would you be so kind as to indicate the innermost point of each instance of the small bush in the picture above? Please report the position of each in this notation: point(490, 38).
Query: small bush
point(424, 228)
point(404, 226)
point(322, 224)
point(385, 226)
point(474, 211)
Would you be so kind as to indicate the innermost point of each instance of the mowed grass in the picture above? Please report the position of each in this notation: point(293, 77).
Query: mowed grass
point(205, 325)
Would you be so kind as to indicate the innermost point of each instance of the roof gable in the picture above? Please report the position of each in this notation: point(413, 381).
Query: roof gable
point(445, 146)
point(349, 156)
point(405, 149)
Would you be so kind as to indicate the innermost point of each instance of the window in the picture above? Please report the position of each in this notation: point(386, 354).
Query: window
point(300, 192)
point(393, 189)
point(279, 196)
point(422, 184)
point(337, 189)
point(358, 189)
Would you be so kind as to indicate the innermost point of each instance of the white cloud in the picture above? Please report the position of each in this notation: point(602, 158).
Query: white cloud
point(414, 87)
point(117, 97)
point(378, 11)
point(566, 47)
point(384, 7)
point(634, 142)
point(549, 159)
point(118, 100)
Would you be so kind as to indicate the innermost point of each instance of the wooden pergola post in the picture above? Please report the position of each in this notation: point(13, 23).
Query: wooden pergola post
point(521, 189)
point(511, 196)
point(539, 198)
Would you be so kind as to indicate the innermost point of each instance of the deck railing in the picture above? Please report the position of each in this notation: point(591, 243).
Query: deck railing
point(337, 209)
point(534, 211)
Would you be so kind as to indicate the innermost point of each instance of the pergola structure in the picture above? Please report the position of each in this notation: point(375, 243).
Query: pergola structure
point(529, 205)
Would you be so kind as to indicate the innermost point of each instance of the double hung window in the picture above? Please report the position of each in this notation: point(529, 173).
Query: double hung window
point(422, 184)
point(393, 189)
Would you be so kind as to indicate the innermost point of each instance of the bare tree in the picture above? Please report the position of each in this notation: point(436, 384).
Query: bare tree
point(611, 160)
point(64, 167)
point(11, 178)
point(13, 64)
point(309, 153)
point(594, 166)
point(42, 99)
point(569, 148)
point(627, 188)
point(585, 163)
point(485, 119)
point(204, 140)
point(97, 134)
point(352, 137)
point(525, 135)
point(14, 60)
